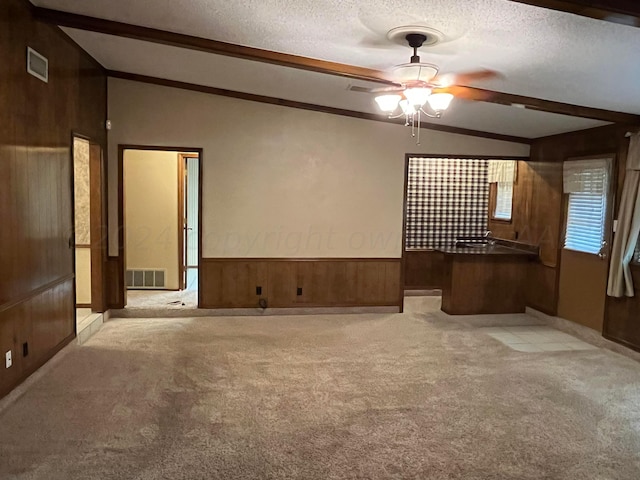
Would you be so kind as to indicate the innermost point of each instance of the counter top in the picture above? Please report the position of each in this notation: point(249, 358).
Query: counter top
point(486, 250)
point(490, 246)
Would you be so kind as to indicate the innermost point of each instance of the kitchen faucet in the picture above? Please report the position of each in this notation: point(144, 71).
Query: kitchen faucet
point(487, 235)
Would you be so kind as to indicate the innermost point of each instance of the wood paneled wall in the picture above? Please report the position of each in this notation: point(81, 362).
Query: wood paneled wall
point(340, 282)
point(36, 123)
point(423, 269)
point(538, 203)
point(622, 316)
point(44, 321)
point(115, 287)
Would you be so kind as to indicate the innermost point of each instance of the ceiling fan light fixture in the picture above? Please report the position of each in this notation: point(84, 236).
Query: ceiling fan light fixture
point(439, 102)
point(417, 96)
point(388, 103)
point(414, 72)
point(412, 85)
point(407, 108)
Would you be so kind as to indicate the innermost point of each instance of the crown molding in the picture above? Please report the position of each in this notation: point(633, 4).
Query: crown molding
point(109, 27)
point(310, 106)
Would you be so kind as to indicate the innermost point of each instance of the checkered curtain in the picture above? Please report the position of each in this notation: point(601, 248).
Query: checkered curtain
point(446, 199)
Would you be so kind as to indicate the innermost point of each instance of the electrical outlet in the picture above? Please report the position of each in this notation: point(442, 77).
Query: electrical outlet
point(258, 290)
point(25, 349)
point(8, 360)
point(299, 292)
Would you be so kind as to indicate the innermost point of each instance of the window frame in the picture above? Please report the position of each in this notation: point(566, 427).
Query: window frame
point(495, 187)
point(610, 200)
point(493, 199)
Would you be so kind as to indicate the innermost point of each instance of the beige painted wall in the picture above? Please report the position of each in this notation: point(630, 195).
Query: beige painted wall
point(151, 212)
point(278, 181)
point(83, 276)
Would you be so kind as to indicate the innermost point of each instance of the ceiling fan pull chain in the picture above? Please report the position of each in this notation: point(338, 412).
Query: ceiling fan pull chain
point(418, 139)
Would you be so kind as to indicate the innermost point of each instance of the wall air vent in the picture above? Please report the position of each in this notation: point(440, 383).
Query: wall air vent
point(141, 279)
point(37, 65)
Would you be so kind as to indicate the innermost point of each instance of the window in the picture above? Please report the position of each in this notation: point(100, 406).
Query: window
point(587, 183)
point(504, 201)
point(501, 176)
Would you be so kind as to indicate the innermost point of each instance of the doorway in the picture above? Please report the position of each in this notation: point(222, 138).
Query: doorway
point(161, 211)
point(89, 223)
point(190, 175)
point(88, 238)
point(82, 223)
point(589, 187)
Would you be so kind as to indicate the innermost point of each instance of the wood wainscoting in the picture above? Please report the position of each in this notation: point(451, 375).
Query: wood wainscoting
point(542, 288)
point(44, 321)
point(621, 316)
point(300, 282)
point(116, 289)
point(423, 269)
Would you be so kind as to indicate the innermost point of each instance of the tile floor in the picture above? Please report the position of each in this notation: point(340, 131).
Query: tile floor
point(82, 313)
point(536, 338)
point(165, 299)
point(87, 324)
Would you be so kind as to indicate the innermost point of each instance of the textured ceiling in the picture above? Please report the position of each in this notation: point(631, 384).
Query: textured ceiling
point(541, 53)
point(191, 66)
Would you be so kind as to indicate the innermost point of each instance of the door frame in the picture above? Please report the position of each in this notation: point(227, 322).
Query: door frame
point(608, 227)
point(121, 258)
point(182, 226)
point(97, 221)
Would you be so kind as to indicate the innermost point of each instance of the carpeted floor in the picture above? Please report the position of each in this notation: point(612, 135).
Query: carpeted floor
point(404, 396)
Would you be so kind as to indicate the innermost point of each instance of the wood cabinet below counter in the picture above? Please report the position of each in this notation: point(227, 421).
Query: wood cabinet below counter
point(483, 281)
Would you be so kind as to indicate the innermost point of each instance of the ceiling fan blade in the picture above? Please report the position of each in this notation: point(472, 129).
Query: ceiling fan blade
point(465, 93)
point(356, 88)
point(465, 78)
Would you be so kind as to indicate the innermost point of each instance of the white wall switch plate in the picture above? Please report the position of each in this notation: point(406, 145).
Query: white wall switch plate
point(8, 361)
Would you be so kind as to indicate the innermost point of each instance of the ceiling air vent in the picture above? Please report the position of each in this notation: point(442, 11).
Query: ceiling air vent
point(37, 65)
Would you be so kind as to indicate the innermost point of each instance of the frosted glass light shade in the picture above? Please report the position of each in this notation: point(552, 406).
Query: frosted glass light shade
point(388, 103)
point(440, 101)
point(417, 96)
point(414, 72)
point(407, 108)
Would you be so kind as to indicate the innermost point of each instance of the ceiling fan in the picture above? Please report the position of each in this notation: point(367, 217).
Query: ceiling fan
point(417, 84)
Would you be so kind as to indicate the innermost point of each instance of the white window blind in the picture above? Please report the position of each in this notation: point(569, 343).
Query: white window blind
point(587, 184)
point(504, 201)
